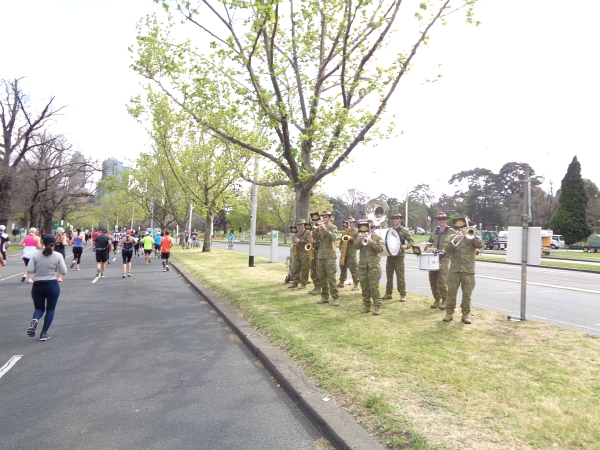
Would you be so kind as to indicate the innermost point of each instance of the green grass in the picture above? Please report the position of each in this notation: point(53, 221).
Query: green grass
point(417, 382)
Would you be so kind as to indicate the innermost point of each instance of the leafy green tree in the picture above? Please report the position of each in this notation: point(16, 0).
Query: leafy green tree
point(482, 198)
point(570, 218)
point(300, 84)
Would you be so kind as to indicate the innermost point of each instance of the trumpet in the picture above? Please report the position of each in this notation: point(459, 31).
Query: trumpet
point(311, 251)
point(366, 237)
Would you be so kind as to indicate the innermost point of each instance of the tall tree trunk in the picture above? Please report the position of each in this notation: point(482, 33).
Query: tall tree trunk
point(208, 233)
point(303, 196)
point(6, 180)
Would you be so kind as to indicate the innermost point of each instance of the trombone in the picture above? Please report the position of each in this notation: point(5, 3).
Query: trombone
point(468, 232)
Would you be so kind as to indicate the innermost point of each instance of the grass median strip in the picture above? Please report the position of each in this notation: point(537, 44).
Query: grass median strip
point(413, 380)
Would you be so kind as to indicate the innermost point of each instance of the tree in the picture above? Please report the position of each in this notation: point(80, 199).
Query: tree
point(19, 126)
point(52, 180)
point(482, 199)
point(593, 208)
point(312, 79)
point(570, 218)
point(277, 207)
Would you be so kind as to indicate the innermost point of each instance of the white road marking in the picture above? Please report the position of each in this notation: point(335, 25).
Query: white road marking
point(566, 288)
point(95, 279)
point(11, 362)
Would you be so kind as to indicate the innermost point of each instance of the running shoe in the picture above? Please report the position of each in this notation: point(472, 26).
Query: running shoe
point(129, 274)
point(32, 327)
point(23, 279)
point(30, 281)
point(77, 268)
point(97, 273)
point(44, 336)
point(72, 265)
point(165, 269)
point(102, 276)
point(123, 275)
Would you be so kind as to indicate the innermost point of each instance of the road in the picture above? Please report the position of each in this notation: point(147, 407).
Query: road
point(140, 362)
point(566, 298)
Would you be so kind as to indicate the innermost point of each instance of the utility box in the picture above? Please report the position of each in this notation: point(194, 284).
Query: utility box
point(274, 245)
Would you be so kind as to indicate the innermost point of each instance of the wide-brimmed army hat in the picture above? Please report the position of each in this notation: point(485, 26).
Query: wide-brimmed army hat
point(351, 219)
point(442, 216)
point(461, 223)
point(397, 214)
point(301, 222)
point(326, 213)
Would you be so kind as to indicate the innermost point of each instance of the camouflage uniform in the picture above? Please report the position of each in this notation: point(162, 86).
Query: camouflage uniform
point(395, 264)
point(326, 266)
point(351, 262)
point(462, 271)
point(313, 270)
point(438, 279)
point(302, 261)
point(369, 269)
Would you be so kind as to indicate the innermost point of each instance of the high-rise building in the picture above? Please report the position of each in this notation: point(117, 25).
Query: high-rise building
point(110, 167)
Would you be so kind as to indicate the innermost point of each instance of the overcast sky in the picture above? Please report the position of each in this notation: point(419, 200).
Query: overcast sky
point(521, 87)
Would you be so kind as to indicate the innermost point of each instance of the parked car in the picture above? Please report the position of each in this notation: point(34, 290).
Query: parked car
point(420, 230)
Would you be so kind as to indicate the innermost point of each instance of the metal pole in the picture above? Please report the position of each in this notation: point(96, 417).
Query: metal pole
point(526, 219)
point(190, 221)
point(132, 211)
point(254, 198)
point(406, 211)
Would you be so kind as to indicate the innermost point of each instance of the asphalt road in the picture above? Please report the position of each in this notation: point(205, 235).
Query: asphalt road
point(560, 297)
point(138, 363)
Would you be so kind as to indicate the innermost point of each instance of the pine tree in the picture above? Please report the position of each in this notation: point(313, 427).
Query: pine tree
point(570, 219)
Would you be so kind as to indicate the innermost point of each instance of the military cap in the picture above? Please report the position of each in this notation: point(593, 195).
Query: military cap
point(301, 222)
point(351, 219)
point(461, 223)
point(326, 213)
point(442, 216)
point(397, 214)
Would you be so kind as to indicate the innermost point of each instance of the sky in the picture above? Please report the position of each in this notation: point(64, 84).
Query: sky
point(522, 87)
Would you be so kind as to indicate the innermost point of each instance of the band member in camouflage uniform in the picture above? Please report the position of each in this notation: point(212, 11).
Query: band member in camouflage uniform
point(313, 268)
point(395, 264)
point(369, 269)
point(350, 263)
point(438, 279)
point(301, 261)
point(326, 235)
point(462, 270)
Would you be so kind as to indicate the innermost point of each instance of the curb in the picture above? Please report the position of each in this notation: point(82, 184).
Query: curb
point(339, 427)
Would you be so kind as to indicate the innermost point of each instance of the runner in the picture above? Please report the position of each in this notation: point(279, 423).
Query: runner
point(166, 243)
point(102, 245)
point(148, 242)
point(116, 239)
point(30, 243)
point(136, 246)
point(157, 240)
point(94, 236)
point(77, 241)
point(127, 243)
point(4, 243)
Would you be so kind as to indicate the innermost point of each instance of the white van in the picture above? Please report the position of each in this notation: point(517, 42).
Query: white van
point(557, 241)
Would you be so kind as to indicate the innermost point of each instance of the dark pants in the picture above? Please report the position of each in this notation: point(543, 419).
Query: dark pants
point(77, 251)
point(45, 296)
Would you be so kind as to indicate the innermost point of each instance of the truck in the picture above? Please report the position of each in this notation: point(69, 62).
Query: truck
point(492, 241)
point(593, 244)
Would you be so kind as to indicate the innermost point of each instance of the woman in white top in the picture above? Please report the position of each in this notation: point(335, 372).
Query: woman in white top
point(30, 243)
point(45, 290)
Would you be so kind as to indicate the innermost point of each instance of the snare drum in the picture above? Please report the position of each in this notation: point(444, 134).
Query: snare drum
point(391, 241)
point(429, 261)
